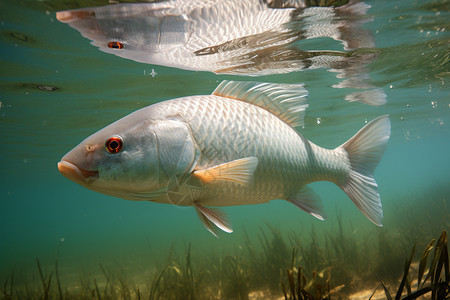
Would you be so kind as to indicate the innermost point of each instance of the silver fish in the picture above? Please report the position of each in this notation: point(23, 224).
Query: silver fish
point(234, 147)
point(250, 37)
point(246, 37)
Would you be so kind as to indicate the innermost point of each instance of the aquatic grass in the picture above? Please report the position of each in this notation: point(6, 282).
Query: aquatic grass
point(108, 290)
point(345, 245)
point(58, 281)
point(350, 256)
point(337, 251)
point(8, 291)
point(414, 223)
point(318, 286)
point(177, 280)
point(236, 279)
point(155, 287)
point(186, 283)
point(115, 285)
point(275, 254)
point(189, 286)
point(389, 254)
point(268, 264)
point(46, 281)
point(423, 262)
point(311, 251)
point(438, 274)
point(347, 253)
point(273, 257)
point(328, 264)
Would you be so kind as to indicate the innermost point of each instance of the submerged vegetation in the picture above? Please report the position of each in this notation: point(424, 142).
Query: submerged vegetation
point(267, 271)
point(435, 282)
point(274, 264)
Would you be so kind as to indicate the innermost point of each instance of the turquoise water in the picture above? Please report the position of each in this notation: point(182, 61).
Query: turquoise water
point(56, 89)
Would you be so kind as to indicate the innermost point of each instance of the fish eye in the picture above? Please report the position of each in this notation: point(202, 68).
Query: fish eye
point(115, 45)
point(114, 144)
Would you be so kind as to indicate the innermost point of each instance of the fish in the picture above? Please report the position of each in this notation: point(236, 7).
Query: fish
point(243, 37)
point(237, 146)
point(224, 36)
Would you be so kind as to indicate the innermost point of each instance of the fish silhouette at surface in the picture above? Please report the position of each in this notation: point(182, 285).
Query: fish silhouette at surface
point(245, 37)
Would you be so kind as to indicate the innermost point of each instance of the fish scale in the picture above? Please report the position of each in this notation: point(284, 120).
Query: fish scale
point(226, 129)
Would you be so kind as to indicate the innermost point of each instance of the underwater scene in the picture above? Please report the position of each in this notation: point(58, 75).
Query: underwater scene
point(309, 158)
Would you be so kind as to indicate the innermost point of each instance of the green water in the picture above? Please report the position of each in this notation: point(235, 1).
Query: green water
point(56, 89)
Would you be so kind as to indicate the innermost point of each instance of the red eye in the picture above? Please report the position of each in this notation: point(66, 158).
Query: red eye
point(115, 45)
point(114, 144)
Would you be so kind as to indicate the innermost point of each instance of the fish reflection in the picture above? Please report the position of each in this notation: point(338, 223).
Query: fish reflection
point(246, 37)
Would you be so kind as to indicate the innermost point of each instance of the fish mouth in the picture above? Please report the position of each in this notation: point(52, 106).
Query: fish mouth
point(75, 173)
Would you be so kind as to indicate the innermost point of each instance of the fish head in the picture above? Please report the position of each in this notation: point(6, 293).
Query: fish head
point(136, 31)
point(134, 158)
point(118, 160)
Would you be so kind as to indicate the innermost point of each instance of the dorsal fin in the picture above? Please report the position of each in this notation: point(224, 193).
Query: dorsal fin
point(286, 101)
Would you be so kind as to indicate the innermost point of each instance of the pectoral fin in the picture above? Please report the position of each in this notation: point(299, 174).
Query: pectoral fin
point(309, 201)
point(210, 216)
point(239, 171)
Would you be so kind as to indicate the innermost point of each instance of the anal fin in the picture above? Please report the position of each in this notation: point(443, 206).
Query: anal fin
point(239, 171)
point(307, 200)
point(210, 216)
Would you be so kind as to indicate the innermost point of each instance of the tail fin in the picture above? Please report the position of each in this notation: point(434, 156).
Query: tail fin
point(365, 150)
